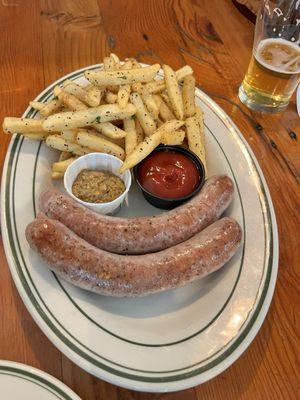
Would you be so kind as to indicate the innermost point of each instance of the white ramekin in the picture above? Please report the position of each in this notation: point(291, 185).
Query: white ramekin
point(103, 162)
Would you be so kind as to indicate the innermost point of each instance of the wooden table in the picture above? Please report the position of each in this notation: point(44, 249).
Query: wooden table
point(43, 40)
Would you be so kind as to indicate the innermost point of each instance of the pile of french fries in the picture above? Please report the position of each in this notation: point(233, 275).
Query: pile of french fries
point(123, 110)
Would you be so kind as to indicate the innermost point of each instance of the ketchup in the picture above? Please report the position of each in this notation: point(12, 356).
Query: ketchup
point(169, 174)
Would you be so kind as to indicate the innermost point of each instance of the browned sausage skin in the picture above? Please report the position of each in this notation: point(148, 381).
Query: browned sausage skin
point(126, 276)
point(145, 234)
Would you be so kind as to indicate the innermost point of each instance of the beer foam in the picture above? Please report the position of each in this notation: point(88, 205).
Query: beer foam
point(280, 59)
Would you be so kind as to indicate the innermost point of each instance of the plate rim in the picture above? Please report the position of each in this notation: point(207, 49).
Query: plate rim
point(144, 385)
point(38, 377)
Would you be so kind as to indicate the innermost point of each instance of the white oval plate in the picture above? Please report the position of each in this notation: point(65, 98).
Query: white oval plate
point(22, 382)
point(164, 342)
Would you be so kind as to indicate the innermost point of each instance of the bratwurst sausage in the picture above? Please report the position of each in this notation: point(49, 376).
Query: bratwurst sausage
point(127, 276)
point(144, 234)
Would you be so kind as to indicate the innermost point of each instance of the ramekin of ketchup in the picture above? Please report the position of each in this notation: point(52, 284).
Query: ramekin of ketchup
point(169, 176)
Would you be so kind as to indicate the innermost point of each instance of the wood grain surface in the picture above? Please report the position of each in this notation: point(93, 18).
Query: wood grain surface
point(42, 40)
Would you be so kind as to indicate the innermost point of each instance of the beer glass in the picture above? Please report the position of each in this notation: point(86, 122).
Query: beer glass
point(274, 69)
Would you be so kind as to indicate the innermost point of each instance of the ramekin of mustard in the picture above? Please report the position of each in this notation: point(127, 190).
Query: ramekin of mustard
point(94, 181)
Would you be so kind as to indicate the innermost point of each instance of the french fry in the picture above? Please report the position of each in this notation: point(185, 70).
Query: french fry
point(142, 150)
point(93, 96)
point(137, 87)
point(148, 145)
point(64, 155)
point(90, 95)
point(57, 175)
point(37, 105)
point(195, 137)
point(22, 125)
point(110, 130)
point(127, 64)
point(183, 72)
point(160, 122)
point(99, 144)
point(110, 97)
point(121, 77)
point(188, 96)
point(150, 103)
point(69, 135)
point(165, 112)
point(69, 100)
point(139, 131)
point(59, 143)
point(147, 122)
point(135, 63)
point(131, 135)
point(74, 89)
point(51, 107)
point(115, 58)
point(156, 86)
point(160, 85)
point(109, 64)
point(200, 119)
point(119, 142)
point(166, 99)
point(173, 91)
point(123, 95)
point(78, 119)
point(36, 136)
point(61, 166)
point(175, 138)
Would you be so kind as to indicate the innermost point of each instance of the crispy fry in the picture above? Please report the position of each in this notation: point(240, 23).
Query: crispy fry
point(115, 58)
point(59, 143)
point(110, 97)
point(78, 119)
point(183, 72)
point(99, 144)
point(173, 91)
point(139, 131)
point(90, 95)
point(22, 125)
point(200, 119)
point(135, 63)
point(36, 135)
point(57, 175)
point(195, 137)
point(147, 122)
point(123, 95)
point(156, 86)
point(119, 142)
point(131, 135)
point(69, 100)
point(150, 103)
point(109, 64)
point(148, 145)
point(121, 77)
point(61, 166)
point(69, 135)
point(93, 96)
point(37, 105)
point(174, 138)
point(141, 151)
point(64, 155)
point(127, 64)
point(51, 107)
point(137, 87)
point(110, 130)
point(165, 97)
point(165, 112)
point(188, 96)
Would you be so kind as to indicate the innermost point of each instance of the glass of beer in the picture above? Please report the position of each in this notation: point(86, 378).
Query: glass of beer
point(274, 69)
